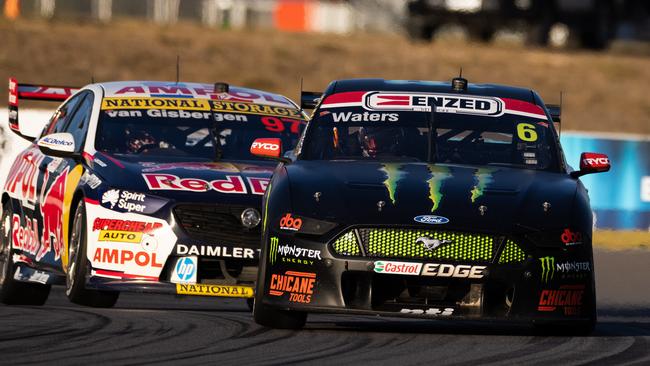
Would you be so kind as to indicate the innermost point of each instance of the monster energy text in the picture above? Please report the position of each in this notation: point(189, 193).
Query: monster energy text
point(549, 267)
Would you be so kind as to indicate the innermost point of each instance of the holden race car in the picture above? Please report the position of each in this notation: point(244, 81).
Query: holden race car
point(427, 199)
point(139, 186)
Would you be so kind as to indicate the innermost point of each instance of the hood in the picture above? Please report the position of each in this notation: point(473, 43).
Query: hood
point(227, 181)
point(352, 191)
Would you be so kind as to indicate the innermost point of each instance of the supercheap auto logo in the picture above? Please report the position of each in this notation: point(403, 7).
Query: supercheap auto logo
point(123, 230)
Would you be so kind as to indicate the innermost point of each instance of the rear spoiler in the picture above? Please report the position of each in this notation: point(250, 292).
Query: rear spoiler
point(309, 100)
point(18, 91)
point(556, 112)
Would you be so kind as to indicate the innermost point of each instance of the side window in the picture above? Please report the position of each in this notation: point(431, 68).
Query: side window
point(61, 116)
point(78, 124)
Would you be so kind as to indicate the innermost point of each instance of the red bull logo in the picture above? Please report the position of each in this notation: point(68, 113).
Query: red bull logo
point(52, 212)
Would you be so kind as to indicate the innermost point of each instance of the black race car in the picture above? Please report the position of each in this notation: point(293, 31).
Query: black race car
point(139, 186)
point(428, 199)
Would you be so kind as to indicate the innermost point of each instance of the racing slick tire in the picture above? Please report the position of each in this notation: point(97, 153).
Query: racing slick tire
point(279, 319)
point(77, 268)
point(583, 328)
point(14, 292)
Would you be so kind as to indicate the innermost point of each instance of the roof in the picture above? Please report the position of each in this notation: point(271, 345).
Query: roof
point(492, 90)
point(168, 89)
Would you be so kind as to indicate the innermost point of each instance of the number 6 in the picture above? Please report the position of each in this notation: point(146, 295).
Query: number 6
point(526, 132)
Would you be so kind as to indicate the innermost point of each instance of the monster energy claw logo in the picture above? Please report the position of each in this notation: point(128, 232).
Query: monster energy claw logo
point(273, 256)
point(483, 177)
point(548, 268)
point(436, 177)
point(393, 174)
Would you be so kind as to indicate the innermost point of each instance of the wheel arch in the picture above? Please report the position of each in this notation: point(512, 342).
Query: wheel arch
point(77, 197)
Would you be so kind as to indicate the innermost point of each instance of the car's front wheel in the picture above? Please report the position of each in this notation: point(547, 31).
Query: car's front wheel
point(77, 267)
point(276, 318)
point(14, 292)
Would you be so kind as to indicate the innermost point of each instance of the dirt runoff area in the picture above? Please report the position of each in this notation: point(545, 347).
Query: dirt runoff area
point(602, 91)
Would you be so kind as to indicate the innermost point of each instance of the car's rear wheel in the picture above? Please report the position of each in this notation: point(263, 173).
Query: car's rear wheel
point(13, 292)
point(77, 268)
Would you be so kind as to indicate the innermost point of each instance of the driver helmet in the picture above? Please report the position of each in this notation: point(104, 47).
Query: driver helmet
point(136, 140)
point(376, 141)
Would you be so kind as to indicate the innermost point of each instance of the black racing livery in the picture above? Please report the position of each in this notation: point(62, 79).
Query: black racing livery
point(428, 199)
point(139, 186)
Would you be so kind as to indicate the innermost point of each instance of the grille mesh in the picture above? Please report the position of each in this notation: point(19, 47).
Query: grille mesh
point(408, 244)
point(405, 243)
point(512, 253)
point(216, 224)
point(347, 244)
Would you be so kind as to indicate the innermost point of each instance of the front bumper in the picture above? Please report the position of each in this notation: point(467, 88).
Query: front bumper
point(506, 285)
point(163, 253)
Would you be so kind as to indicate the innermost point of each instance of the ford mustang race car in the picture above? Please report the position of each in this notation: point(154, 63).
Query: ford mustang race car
point(139, 186)
point(432, 200)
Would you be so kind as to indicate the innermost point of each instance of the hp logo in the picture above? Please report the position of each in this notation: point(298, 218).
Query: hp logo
point(185, 268)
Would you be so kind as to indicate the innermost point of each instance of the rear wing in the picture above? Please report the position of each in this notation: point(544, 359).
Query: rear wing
point(19, 91)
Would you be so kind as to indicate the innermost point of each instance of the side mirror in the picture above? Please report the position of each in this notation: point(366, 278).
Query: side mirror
point(269, 148)
point(592, 163)
point(60, 145)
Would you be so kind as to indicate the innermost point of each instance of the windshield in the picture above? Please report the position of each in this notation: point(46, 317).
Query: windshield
point(195, 129)
point(355, 133)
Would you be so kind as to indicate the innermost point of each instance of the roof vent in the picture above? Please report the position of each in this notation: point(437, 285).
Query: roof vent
point(221, 87)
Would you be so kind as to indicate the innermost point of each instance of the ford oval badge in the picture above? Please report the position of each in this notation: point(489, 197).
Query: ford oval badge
point(431, 219)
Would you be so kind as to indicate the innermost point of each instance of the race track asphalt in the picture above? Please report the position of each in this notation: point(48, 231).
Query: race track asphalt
point(156, 329)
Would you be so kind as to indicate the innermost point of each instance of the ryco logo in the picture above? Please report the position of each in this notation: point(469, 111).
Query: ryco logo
point(266, 146)
point(287, 222)
point(596, 161)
